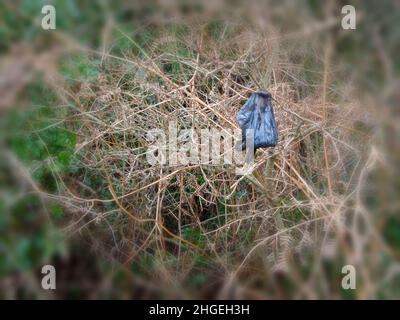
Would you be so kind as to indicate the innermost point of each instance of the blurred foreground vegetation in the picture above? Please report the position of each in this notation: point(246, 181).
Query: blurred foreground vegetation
point(42, 157)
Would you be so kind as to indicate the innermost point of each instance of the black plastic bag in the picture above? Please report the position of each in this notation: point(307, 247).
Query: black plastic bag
point(257, 114)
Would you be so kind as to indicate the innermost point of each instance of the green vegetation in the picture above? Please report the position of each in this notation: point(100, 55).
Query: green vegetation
point(76, 190)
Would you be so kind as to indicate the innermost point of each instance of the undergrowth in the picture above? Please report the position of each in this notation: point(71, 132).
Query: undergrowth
point(200, 230)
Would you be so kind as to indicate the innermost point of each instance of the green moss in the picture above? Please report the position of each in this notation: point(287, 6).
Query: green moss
point(194, 236)
point(79, 68)
point(57, 212)
point(392, 232)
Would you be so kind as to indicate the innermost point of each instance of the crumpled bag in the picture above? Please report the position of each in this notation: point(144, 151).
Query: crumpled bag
point(257, 114)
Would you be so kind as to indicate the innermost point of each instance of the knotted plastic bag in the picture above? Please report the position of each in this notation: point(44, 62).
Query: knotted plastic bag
point(257, 121)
